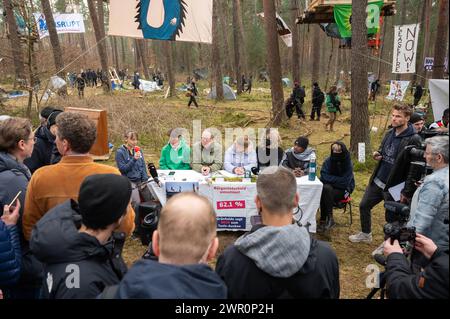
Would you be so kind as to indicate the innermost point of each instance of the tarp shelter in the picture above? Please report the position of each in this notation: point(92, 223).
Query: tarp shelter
point(286, 82)
point(56, 83)
point(201, 74)
point(148, 86)
point(226, 80)
point(439, 97)
point(228, 93)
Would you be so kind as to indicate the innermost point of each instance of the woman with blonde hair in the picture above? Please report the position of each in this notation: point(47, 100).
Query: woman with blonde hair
point(269, 152)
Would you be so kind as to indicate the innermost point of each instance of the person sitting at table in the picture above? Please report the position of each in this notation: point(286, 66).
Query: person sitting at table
point(240, 156)
point(269, 152)
point(278, 258)
point(338, 181)
point(176, 154)
point(297, 158)
point(207, 154)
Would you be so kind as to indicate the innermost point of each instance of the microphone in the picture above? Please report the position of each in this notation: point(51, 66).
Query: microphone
point(255, 170)
point(153, 172)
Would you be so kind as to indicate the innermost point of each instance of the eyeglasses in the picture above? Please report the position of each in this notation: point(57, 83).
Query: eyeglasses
point(32, 138)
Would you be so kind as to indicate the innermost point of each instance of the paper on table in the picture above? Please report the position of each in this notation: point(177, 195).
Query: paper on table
point(395, 191)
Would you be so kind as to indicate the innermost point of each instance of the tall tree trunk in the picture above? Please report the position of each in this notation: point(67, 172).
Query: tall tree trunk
point(137, 56)
point(100, 43)
point(237, 45)
point(380, 57)
point(123, 50)
point(295, 42)
point(426, 41)
point(330, 58)
point(14, 40)
point(244, 55)
point(315, 53)
point(57, 52)
point(273, 62)
point(359, 130)
point(143, 54)
point(223, 21)
point(101, 17)
point(440, 47)
point(338, 62)
point(215, 54)
point(116, 53)
point(169, 64)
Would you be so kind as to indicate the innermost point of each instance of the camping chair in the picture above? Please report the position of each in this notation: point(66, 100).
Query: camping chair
point(345, 203)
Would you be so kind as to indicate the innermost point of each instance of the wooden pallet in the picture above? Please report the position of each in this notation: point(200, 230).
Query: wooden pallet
point(321, 11)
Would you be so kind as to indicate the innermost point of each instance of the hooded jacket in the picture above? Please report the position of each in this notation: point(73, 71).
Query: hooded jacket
point(292, 160)
point(149, 279)
point(338, 171)
point(14, 177)
point(77, 265)
point(43, 148)
point(279, 262)
point(402, 163)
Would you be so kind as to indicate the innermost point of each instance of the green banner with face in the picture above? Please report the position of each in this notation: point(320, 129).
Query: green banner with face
point(343, 18)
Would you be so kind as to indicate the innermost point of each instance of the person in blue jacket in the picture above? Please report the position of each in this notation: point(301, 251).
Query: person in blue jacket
point(338, 181)
point(131, 163)
point(10, 252)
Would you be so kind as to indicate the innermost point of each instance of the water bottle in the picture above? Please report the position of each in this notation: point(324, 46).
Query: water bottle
point(312, 167)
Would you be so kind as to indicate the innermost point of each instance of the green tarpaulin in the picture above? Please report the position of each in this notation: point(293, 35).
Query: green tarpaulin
point(343, 14)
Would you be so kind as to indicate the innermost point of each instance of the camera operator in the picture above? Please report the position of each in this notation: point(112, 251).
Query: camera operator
point(402, 283)
point(429, 205)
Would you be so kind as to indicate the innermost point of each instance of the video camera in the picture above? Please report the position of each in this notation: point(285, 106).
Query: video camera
point(397, 215)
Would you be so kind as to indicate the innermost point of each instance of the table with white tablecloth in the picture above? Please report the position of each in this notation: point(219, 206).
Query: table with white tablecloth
point(234, 202)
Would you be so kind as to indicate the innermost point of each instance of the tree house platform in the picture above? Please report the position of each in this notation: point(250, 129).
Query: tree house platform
point(321, 11)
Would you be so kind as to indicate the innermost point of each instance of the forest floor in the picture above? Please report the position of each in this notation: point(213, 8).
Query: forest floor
point(152, 116)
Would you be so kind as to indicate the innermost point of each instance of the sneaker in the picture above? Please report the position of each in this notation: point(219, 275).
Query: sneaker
point(361, 238)
point(379, 250)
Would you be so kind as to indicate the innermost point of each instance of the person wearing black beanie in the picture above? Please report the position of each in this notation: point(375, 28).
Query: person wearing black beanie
point(78, 242)
point(45, 151)
point(103, 200)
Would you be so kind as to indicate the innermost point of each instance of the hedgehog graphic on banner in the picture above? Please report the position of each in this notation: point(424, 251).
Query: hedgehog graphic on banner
point(161, 19)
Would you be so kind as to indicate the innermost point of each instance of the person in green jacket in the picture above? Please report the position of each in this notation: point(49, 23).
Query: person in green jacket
point(333, 106)
point(176, 154)
point(207, 154)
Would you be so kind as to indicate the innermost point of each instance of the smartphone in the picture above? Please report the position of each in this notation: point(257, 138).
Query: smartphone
point(171, 173)
point(15, 198)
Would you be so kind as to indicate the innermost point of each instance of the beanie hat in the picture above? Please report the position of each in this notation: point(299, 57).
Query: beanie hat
point(46, 111)
point(415, 117)
point(51, 120)
point(103, 199)
point(302, 142)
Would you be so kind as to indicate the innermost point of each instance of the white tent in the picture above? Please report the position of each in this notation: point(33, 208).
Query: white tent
point(439, 97)
point(228, 93)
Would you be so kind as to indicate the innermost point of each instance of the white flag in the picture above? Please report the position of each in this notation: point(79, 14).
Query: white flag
point(283, 30)
point(398, 90)
point(406, 38)
point(176, 20)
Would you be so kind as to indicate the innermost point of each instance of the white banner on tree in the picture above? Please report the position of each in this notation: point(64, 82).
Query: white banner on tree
point(398, 90)
point(406, 38)
point(283, 30)
point(439, 97)
point(175, 20)
point(64, 22)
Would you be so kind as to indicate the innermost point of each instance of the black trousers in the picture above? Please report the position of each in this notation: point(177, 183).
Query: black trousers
point(298, 110)
point(330, 195)
point(192, 100)
point(372, 196)
point(316, 109)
